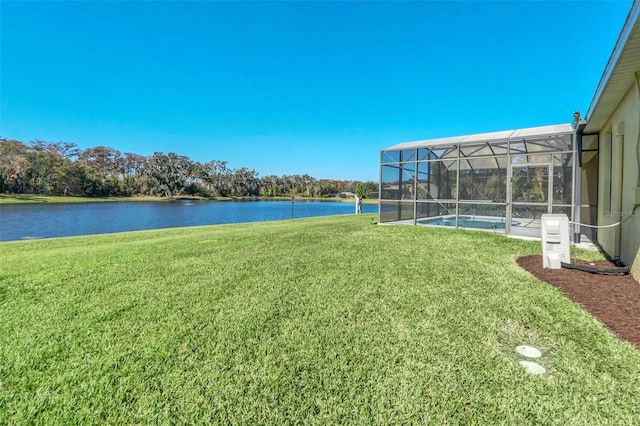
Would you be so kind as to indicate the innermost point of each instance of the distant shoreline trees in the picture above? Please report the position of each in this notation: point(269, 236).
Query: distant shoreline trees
point(60, 168)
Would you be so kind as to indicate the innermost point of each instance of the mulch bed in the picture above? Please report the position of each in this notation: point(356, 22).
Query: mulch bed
point(613, 299)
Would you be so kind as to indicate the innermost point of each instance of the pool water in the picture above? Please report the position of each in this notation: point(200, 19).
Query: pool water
point(477, 222)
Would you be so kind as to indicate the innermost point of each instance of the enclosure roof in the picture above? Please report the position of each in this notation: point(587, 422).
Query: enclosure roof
point(619, 74)
point(531, 132)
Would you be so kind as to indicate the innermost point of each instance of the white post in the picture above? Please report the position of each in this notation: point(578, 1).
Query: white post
point(358, 204)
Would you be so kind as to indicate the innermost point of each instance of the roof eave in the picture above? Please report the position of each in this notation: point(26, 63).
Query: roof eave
point(595, 116)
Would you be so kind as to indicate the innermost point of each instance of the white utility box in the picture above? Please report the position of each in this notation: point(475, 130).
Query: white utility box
point(555, 240)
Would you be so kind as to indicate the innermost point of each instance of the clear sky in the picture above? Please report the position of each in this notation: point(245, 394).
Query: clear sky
point(295, 87)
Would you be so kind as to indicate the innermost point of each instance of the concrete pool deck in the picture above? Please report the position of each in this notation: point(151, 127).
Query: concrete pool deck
point(528, 229)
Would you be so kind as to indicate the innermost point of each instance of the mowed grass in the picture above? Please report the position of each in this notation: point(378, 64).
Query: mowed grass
point(59, 199)
point(317, 321)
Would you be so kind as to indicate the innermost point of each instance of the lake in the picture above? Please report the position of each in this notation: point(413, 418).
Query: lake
point(27, 221)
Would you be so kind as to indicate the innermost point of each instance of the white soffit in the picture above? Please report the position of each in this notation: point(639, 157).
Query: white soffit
point(619, 74)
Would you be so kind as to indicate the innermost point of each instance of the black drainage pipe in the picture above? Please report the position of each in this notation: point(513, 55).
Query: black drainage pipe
point(616, 271)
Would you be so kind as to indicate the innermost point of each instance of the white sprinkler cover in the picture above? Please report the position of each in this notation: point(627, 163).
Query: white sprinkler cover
point(533, 367)
point(528, 351)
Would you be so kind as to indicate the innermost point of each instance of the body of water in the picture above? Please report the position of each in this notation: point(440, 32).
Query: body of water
point(27, 221)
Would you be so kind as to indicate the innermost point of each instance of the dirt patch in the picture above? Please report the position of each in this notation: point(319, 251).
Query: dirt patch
point(613, 299)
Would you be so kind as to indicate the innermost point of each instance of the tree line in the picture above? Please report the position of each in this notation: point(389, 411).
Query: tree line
point(61, 168)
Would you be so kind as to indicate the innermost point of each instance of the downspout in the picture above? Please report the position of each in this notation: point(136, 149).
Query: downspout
point(577, 176)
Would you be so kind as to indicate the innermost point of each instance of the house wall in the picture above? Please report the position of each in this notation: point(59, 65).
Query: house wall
point(589, 193)
point(619, 171)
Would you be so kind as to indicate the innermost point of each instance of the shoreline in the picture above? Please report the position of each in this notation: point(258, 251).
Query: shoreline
point(60, 199)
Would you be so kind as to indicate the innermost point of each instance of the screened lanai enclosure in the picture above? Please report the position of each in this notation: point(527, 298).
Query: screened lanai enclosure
point(501, 182)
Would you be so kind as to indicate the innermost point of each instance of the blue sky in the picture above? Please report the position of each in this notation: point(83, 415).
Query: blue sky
point(295, 87)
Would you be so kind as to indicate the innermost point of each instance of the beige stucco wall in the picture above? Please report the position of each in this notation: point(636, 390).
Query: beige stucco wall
point(635, 268)
point(622, 130)
point(589, 193)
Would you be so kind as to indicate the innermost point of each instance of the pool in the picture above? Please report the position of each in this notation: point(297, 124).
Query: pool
point(476, 222)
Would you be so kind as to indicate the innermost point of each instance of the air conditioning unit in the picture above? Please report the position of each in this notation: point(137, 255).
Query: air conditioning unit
point(555, 240)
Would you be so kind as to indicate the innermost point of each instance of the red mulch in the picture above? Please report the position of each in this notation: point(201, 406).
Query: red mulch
point(613, 299)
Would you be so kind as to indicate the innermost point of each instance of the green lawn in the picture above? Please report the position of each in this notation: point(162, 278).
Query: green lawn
point(317, 321)
point(56, 199)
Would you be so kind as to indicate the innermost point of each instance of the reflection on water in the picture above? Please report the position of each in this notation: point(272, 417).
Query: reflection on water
point(25, 221)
